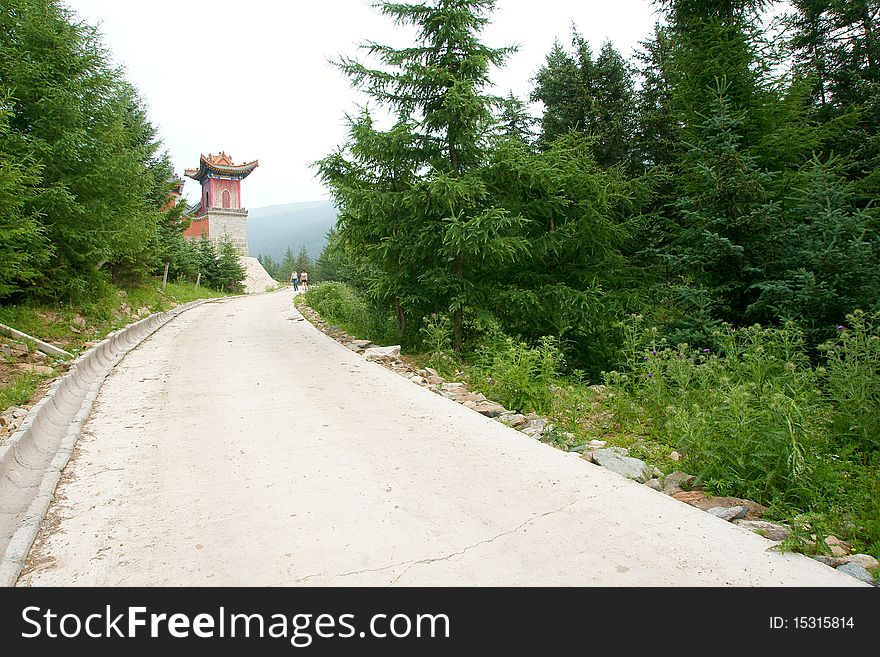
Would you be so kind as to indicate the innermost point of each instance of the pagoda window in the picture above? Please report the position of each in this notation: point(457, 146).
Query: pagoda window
point(227, 199)
point(207, 198)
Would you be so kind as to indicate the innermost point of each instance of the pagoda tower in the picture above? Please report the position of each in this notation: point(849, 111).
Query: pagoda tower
point(219, 213)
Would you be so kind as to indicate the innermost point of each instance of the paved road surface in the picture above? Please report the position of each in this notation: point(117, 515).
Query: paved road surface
point(238, 446)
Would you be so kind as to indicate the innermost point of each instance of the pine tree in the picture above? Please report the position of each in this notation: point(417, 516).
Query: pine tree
point(303, 261)
point(514, 121)
point(230, 272)
point(287, 265)
point(558, 86)
point(23, 248)
point(657, 135)
point(411, 200)
point(84, 128)
point(836, 43)
point(726, 218)
point(596, 97)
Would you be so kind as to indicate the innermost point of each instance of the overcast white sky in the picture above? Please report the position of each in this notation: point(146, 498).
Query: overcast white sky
point(251, 77)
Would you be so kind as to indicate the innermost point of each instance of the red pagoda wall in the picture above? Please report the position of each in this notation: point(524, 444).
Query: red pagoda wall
point(197, 227)
point(218, 186)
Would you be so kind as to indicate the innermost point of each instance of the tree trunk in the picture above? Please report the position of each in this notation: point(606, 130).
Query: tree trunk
point(401, 317)
point(457, 318)
point(870, 41)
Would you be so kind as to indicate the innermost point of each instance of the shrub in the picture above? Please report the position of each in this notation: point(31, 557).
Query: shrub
point(852, 382)
point(341, 304)
point(755, 419)
point(519, 376)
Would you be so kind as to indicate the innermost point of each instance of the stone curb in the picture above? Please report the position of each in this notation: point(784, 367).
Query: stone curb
point(32, 460)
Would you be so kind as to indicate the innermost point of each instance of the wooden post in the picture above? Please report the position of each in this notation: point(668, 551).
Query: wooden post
point(165, 276)
point(198, 278)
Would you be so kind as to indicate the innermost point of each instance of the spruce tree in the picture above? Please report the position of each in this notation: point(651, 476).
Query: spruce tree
point(411, 200)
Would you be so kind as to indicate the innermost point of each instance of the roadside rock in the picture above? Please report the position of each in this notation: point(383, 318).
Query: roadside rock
point(689, 496)
point(675, 456)
point(755, 510)
point(36, 369)
point(487, 408)
point(653, 484)
point(866, 561)
point(729, 513)
point(537, 425)
point(838, 548)
point(382, 352)
point(855, 570)
point(833, 562)
point(769, 530)
point(617, 460)
point(598, 444)
point(674, 480)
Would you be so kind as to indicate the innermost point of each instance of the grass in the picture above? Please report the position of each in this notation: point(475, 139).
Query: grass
point(70, 326)
point(20, 390)
point(343, 306)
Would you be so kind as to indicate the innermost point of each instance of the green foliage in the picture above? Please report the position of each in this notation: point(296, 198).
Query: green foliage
point(336, 263)
point(412, 203)
point(23, 247)
point(518, 376)
point(230, 272)
point(342, 305)
point(93, 183)
point(595, 97)
point(826, 259)
point(437, 334)
point(20, 390)
point(719, 242)
point(852, 383)
point(755, 419)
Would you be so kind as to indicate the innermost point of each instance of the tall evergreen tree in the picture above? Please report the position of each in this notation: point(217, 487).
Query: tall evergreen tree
point(23, 248)
point(594, 96)
point(411, 196)
point(514, 121)
point(85, 130)
point(558, 85)
point(657, 135)
point(837, 44)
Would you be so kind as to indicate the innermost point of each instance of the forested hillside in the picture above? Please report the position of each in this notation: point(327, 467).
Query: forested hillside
point(695, 226)
point(726, 173)
point(84, 182)
point(274, 229)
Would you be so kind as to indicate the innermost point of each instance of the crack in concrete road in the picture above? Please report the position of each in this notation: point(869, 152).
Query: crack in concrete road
point(246, 449)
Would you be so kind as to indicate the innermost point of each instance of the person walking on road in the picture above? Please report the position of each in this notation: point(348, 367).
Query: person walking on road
point(304, 280)
point(294, 280)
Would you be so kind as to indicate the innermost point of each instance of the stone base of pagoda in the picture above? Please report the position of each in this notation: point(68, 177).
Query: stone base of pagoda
point(229, 224)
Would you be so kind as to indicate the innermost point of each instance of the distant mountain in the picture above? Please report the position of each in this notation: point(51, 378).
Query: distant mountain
point(271, 230)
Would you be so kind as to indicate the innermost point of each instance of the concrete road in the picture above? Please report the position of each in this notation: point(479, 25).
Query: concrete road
point(239, 446)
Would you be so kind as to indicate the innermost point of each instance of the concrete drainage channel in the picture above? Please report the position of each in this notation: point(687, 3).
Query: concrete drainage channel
point(32, 461)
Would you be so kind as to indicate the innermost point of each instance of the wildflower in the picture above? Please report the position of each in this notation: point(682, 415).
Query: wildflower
point(705, 351)
point(650, 374)
point(645, 358)
point(653, 352)
point(841, 327)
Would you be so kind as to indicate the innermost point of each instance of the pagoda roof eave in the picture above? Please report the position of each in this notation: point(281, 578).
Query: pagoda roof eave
point(207, 168)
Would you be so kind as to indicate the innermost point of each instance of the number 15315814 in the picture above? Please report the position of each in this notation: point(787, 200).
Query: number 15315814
point(812, 623)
